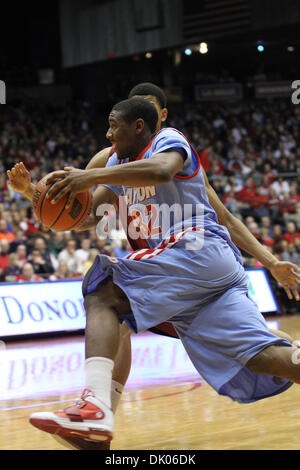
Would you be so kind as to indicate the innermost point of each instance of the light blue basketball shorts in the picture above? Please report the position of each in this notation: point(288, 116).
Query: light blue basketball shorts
point(203, 293)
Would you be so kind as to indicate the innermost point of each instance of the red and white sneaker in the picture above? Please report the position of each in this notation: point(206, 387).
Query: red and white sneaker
point(88, 419)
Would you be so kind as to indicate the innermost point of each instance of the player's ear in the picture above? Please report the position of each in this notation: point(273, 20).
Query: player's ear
point(139, 125)
point(164, 115)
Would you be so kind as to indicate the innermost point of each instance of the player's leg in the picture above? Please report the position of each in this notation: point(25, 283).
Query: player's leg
point(92, 418)
point(102, 332)
point(282, 334)
point(119, 378)
point(122, 364)
point(230, 345)
point(278, 361)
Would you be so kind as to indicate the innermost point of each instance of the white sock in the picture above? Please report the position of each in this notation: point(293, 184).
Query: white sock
point(99, 377)
point(116, 392)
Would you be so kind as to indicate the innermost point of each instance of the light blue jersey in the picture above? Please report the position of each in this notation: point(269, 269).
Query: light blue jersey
point(186, 191)
point(189, 272)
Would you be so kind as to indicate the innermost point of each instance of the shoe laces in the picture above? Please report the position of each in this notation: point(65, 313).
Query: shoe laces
point(86, 393)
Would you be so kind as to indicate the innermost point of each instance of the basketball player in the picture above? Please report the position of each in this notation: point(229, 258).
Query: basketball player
point(202, 291)
point(20, 180)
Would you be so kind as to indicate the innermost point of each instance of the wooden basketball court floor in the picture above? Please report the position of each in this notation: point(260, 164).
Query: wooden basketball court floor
point(165, 405)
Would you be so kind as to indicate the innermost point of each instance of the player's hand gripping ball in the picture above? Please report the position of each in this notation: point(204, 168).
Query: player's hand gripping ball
point(55, 216)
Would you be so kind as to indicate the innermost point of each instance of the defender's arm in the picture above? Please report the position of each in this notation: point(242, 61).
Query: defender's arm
point(287, 274)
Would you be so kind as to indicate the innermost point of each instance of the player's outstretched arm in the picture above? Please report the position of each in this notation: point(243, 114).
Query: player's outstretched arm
point(19, 179)
point(287, 274)
point(100, 159)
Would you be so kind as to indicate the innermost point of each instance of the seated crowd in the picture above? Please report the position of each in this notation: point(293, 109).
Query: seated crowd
point(250, 151)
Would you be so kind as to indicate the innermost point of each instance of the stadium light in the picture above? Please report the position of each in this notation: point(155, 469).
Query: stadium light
point(203, 48)
point(260, 46)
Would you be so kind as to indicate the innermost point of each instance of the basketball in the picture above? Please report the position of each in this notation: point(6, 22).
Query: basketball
point(55, 216)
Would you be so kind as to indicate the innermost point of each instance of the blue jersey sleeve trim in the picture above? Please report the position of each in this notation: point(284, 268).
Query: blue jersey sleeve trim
point(179, 141)
point(180, 150)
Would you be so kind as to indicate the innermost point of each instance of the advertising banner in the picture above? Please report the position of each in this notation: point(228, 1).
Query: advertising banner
point(46, 307)
point(219, 92)
point(41, 307)
point(280, 89)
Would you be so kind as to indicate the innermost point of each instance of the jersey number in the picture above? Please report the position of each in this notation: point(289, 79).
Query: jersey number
point(145, 219)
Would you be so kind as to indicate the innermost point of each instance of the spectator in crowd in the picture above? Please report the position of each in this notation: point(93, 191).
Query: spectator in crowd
point(269, 174)
point(73, 261)
point(266, 223)
point(291, 233)
point(233, 182)
point(92, 236)
point(205, 158)
point(55, 245)
point(5, 234)
point(290, 254)
point(264, 186)
point(28, 274)
point(297, 245)
point(248, 192)
point(40, 264)
point(4, 258)
point(90, 260)
point(277, 234)
point(103, 247)
point(273, 203)
point(20, 239)
point(84, 252)
point(21, 252)
point(230, 201)
point(219, 188)
point(14, 270)
point(265, 238)
point(16, 262)
point(280, 187)
point(62, 272)
point(260, 204)
point(254, 229)
point(41, 245)
point(290, 205)
point(29, 223)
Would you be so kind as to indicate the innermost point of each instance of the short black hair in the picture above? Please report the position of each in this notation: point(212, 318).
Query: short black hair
point(147, 88)
point(135, 108)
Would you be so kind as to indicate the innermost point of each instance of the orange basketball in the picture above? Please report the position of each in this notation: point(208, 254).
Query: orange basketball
point(55, 216)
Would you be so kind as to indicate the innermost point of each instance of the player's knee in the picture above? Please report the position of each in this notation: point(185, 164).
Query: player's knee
point(93, 302)
point(109, 297)
point(102, 296)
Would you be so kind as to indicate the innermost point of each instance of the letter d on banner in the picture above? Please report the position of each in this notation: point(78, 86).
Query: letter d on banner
point(2, 92)
point(11, 305)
